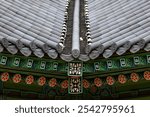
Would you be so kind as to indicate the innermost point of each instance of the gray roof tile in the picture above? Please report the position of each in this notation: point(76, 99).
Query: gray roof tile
point(38, 27)
point(118, 26)
point(31, 26)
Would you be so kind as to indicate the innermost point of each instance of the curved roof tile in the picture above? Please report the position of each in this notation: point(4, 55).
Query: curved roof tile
point(40, 27)
point(31, 26)
point(117, 26)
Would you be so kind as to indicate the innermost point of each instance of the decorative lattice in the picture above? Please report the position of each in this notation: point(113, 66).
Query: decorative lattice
point(75, 85)
point(122, 79)
point(75, 69)
point(17, 78)
point(5, 76)
point(52, 82)
point(98, 82)
point(29, 79)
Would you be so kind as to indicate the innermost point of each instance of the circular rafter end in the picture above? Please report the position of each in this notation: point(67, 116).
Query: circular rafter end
point(52, 82)
point(12, 49)
point(98, 82)
point(41, 81)
point(121, 51)
point(83, 57)
point(147, 47)
point(107, 53)
point(75, 53)
point(64, 84)
point(94, 54)
point(110, 80)
point(52, 54)
point(86, 84)
point(67, 58)
point(146, 75)
point(134, 77)
point(4, 76)
point(17, 78)
point(39, 53)
point(26, 51)
point(135, 48)
point(122, 79)
point(29, 80)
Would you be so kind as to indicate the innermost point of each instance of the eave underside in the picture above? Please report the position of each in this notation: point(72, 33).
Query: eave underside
point(58, 69)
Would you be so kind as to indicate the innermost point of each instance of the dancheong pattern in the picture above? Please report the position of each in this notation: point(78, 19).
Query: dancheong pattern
point(75, 85)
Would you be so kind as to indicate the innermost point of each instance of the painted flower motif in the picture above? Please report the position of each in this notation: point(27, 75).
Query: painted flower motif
point(29, 79)
point(17, 78)
point(147, 75)
point(98, 82)
point(86, 84)
point(134, 77)
point(5, 76)
point(52, 82)
point(64, 84)
point(122, 79)
point(41, 81)
point(110, 80)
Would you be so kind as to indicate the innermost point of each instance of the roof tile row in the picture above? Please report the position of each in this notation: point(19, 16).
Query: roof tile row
point(117, 26)
point(31, 26)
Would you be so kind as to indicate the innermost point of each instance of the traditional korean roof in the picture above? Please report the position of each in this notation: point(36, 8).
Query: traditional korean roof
point(74, 29)
point(32, 26)
point(116, 26)
point(71, 32)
